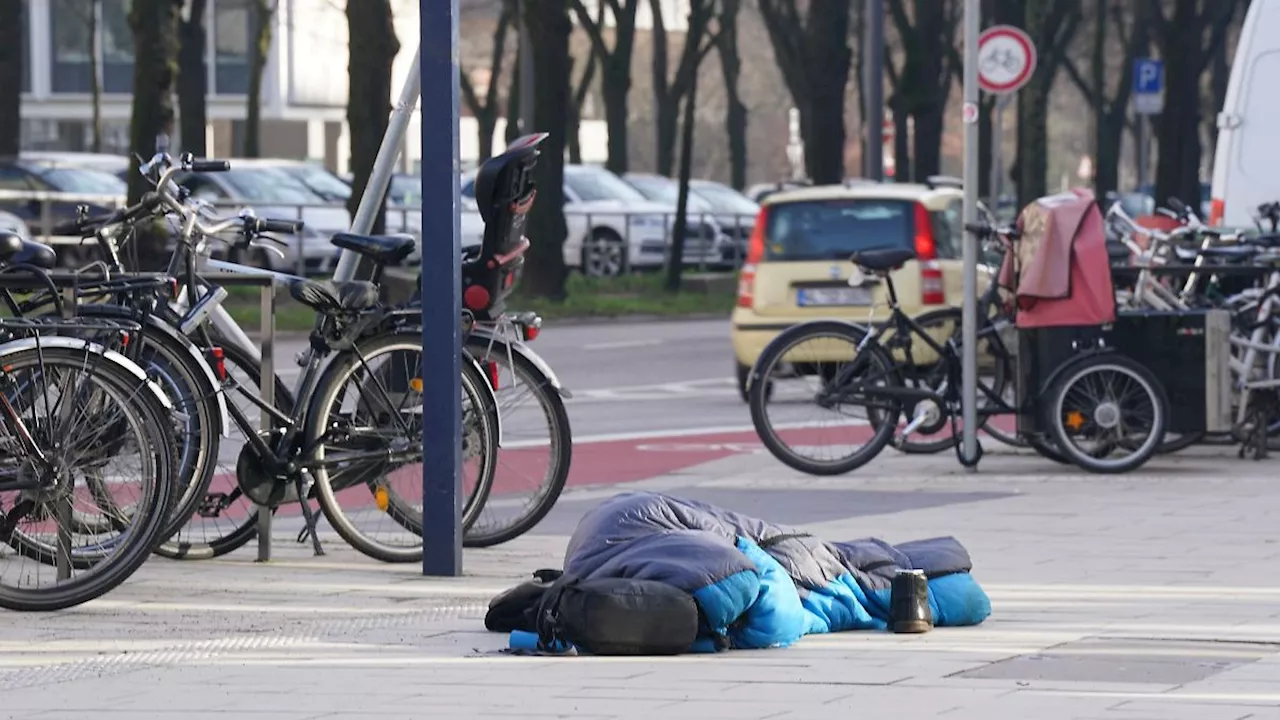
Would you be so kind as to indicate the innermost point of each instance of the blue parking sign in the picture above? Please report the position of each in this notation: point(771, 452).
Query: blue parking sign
point(1148, 85)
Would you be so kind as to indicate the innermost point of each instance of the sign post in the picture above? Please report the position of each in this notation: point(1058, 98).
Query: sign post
point(1006, 60)
point(999, 60)
point(1148, 100)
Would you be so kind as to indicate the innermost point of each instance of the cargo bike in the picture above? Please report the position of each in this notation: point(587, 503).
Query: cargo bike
point(1060, 371)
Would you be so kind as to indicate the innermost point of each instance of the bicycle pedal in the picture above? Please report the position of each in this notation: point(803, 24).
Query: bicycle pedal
point(212, 505)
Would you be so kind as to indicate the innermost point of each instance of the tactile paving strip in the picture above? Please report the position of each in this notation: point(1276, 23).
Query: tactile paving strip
point(187, 652)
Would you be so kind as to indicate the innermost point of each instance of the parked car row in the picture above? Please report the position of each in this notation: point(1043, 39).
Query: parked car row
point(272, 187)
point(615, 224)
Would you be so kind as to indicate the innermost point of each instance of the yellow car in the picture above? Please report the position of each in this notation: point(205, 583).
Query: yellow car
point(797, 266)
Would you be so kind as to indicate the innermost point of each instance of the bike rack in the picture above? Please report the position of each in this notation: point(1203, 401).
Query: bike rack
point(267, 371)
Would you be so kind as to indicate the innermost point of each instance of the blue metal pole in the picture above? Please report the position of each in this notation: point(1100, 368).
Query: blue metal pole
point(441, 292)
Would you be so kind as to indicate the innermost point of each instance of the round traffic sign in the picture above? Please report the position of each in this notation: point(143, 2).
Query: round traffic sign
point(1006, 59)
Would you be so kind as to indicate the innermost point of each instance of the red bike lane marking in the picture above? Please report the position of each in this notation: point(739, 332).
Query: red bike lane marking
point(615, 462)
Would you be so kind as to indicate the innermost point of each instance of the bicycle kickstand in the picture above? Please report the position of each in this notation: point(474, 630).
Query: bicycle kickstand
point(311, 517)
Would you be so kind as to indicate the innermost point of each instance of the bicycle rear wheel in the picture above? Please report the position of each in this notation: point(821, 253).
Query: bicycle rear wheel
point(845, 395)
point(537, 446)
point(367, 405)
point(122, 437)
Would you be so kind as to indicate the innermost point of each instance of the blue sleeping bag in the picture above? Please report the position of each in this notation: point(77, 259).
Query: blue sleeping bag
point(760, 585)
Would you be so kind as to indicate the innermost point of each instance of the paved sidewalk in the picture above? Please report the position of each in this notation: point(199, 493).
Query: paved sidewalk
point(1153, 596)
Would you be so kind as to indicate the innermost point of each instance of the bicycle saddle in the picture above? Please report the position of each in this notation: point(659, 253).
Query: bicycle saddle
point(884, 259)
point(16, 251)
point(382, 249)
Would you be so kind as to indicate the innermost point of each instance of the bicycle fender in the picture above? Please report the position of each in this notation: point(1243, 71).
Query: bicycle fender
point(198, 358)
point(31, 343)
point(521, 348)
point(1059, 371)
point(490, 395)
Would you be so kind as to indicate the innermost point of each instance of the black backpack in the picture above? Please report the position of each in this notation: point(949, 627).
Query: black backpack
point(517, 608)
point(617, 616)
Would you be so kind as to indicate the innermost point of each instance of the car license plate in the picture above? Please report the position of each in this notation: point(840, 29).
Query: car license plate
point(812, 297)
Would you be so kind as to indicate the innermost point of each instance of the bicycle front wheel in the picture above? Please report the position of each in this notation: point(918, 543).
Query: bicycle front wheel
point(364, 426)
point(82, 435)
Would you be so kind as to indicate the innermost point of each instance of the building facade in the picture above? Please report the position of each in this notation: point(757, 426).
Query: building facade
point(304, 89)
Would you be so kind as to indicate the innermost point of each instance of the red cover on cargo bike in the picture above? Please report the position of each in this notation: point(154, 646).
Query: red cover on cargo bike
point(1059, 272)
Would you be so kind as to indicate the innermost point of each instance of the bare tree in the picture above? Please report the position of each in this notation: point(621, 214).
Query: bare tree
point(1128, 24)
point(193, 85)
point(735, 119)
point(486, 111)
point(667, 94)
point(921, 88)
point(373, 47)
point(573, 132)
point(1051, 24)
point(814, 55)
point(155, 63)
point(1187, 38)
point(263, 14)
point(549, 28)
point(615, 69)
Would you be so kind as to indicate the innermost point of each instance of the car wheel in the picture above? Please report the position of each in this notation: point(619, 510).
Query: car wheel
point(603, 255)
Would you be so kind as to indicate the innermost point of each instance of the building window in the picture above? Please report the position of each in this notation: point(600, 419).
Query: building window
point(117, 47)
point(232, 30)
point(71, 23)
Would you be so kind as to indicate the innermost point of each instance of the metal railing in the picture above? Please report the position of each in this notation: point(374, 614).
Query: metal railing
point(619, 242)
point(44, 201)
point(613, 242)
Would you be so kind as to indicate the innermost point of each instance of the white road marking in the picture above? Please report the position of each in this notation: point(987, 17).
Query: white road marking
point(620, 344)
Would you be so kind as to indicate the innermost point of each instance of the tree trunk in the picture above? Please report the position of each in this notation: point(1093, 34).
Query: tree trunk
point(1106, 164)
point(263, 15)
point(926, 81)
point(828, 61)
point(13, 62)
point(901, 141)
point(155, 73)
point(573, 128)
point(193, 81)
point(615, 83)
point(615, 69)
point(572, 134)
point(814, 58)
point(513, 104)
point(675, 263)
point(373, 46)
point(1178, 127)
point(95, 72)
point(735, 120)
point(1033, 116)
point(549, 28)
point(929, 126)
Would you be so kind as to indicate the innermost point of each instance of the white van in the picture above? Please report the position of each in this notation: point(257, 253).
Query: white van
point(1246, 165)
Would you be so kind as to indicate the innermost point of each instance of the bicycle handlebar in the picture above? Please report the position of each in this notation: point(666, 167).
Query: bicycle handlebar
point(205, 166)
